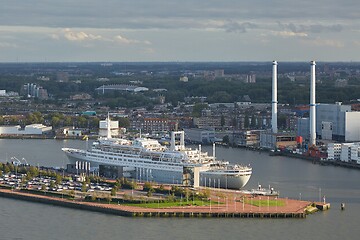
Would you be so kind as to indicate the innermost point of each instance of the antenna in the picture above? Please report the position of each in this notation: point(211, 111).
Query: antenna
point(108, 122)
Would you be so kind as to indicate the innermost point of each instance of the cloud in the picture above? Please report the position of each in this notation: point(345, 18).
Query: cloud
point(160, 14)
point(287, 34)
point(85, 36)
point(149, 50)
point(124, 40)
point(238, 27)
point(324, 43)
point(80, 36)
point(7, 45)
point(357, 43)
point(312, 28)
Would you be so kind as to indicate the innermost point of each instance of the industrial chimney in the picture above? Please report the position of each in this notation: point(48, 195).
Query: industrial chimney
point(274, 98)
point(312, 105)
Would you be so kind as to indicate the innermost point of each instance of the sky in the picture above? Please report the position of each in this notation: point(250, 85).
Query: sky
point(179, 30)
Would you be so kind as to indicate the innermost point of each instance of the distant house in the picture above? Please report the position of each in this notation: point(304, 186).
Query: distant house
point(72, 132)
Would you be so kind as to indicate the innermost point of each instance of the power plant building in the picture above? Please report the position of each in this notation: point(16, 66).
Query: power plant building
point(334, 122)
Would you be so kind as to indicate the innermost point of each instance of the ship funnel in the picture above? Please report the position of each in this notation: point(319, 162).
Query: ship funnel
point(274, 98)
point(181, 145)
point(312, 105)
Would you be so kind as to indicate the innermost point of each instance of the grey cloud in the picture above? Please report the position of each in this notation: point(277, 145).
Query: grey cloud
point(314, 28)
point(144, 14)
point(239, 27)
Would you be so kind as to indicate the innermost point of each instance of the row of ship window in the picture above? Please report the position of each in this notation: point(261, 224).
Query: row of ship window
point(129, 160)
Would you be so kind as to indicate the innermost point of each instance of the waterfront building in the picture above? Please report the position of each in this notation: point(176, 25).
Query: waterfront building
point(33, 129)
point(72, 132)
point(345, 152)
point(271, 140)
point(333, 122)
point(246, 138)
point(103, 128)
point(206, 122)
point(334, 151)
point(198, 135)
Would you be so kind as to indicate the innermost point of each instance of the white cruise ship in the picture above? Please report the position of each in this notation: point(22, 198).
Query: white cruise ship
point(153, 162)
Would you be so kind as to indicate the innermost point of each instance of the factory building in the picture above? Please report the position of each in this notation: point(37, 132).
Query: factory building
point(334, 122)
point(345, 152)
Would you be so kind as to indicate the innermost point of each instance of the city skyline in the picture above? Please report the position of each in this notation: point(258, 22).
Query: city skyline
point(189, 30)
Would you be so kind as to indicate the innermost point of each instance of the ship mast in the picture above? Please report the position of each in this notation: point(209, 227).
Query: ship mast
point(108, 122)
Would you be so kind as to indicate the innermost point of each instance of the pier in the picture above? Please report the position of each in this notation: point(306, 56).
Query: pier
point(227, 209)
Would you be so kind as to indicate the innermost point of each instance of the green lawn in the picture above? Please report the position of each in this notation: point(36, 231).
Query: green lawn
point(171, 204)
point(265, 202)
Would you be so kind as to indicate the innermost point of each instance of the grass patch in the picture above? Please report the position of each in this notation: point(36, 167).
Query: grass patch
point(265, 202)
point(171, 204)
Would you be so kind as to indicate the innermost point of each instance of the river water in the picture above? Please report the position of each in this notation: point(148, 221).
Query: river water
point(294, 178)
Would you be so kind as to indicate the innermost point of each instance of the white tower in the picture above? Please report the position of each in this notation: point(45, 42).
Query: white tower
point(274, 98)
point(312, 105)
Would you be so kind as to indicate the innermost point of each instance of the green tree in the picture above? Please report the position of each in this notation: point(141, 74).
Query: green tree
point(147, 186)
point(55, 121)
point(72, 193)
point(68, 121)
point(33, 171)
point(52, 184)
point(6, 169)
point(150, 192)
point(84, 187)
point(198, 107)
point(124, 122)
point(58, 178)
point(226, 139)
point(113, 191)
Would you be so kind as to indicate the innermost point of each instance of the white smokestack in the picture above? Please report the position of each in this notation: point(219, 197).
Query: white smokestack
point(312, 105)
point(274, 98)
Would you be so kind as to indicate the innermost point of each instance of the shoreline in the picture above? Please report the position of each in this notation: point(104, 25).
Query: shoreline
point(228, 209)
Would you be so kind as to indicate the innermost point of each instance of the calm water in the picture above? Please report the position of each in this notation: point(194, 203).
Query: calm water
point(294, 178)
